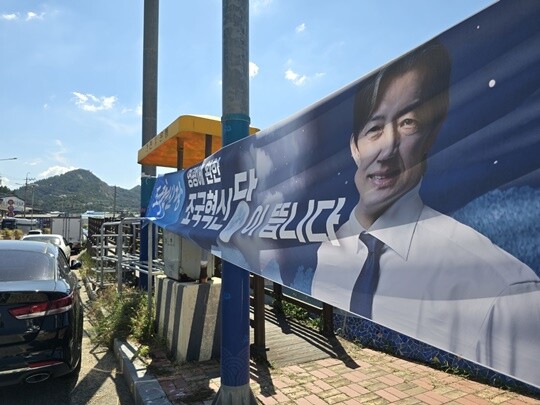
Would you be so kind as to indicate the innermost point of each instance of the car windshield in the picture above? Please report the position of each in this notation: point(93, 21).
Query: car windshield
point(18, 265)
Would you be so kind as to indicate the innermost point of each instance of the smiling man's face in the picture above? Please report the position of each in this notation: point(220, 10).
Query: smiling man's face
point(392, 146)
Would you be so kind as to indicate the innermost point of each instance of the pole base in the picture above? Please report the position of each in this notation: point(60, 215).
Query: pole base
point(241, 395)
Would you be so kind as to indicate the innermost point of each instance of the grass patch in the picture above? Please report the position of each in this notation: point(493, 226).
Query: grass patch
point(299, 314)
point(124, 316)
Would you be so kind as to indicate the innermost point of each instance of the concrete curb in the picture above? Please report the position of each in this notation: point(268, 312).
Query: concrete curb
point(142, 384)
point(89, 290)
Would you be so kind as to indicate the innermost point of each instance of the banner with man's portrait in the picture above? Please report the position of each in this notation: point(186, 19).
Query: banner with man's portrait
point(410, 197)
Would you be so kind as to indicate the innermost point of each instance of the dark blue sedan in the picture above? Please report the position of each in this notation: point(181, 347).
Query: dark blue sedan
point(41, 314)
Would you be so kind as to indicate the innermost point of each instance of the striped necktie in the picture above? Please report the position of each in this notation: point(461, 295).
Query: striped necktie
point(366, 283)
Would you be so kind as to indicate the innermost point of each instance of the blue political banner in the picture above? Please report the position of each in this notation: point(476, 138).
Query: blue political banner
point(411, 197)
point(167, 200)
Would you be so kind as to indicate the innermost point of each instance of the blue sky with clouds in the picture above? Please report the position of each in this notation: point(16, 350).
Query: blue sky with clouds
point(71, 71)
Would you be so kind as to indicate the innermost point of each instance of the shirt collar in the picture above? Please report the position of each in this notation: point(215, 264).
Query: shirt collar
point(395, 228)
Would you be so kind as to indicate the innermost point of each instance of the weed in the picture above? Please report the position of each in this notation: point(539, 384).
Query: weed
point(122, 316)
point(299, 314)
point(86, 261)
point(143, 351)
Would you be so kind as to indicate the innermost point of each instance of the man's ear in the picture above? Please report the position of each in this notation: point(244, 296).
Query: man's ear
point(354, 150)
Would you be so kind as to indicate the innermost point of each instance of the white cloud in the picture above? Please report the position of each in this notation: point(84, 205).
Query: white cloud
point(295, 78)
point(253, 70)
point(91, 103)
point(4, 181)
point(10, 17)
point(33, 16)
point(58, 156)
point(30, 15)
point(301, 27)
point(299, 79)
point(258, 6)
point(136, 111)
point(108, 102)
point(55, 171)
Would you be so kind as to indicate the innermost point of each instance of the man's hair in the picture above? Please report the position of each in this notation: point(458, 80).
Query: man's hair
point(433, 63)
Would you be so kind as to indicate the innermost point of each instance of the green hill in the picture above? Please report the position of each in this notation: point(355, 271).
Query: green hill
point(78, 191)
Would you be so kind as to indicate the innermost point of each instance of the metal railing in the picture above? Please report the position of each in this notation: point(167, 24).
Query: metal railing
point(115, 253)
point(116, 247)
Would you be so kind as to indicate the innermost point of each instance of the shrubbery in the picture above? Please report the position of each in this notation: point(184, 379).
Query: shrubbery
point(123, 316)
point(11, 234)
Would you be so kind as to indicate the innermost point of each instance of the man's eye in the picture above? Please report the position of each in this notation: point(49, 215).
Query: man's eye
point(374, 131)
point(408, 125)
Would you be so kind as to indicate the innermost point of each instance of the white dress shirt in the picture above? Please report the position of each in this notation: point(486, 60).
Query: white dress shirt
point(443, 283)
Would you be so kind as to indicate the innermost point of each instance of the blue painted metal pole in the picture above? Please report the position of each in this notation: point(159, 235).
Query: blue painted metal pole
point(235, 387)
point(235, 296)
point(149, 116)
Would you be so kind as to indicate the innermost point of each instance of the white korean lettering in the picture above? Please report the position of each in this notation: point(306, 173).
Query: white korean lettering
point(333, 219)
point(244, 194)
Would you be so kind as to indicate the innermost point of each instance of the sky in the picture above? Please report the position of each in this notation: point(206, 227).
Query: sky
point(71, 71)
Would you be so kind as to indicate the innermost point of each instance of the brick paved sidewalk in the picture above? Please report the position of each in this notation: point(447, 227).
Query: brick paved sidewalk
point(365, 376)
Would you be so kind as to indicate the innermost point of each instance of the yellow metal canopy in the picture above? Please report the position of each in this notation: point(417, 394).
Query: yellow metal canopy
point(184, 143)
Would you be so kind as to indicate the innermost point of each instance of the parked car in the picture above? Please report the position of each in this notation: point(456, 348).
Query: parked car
point(58, 240)
point(35, 232)
point(41, 314)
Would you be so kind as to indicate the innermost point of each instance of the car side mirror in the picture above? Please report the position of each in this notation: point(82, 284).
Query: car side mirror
point(75, 264)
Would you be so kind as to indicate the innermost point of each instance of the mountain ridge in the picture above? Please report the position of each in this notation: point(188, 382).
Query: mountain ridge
point(78, 191)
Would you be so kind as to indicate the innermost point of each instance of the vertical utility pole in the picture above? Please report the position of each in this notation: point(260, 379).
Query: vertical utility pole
point(235, 121)
point(114, 204)
point(26, 194)
point(149, 114)
point(33, 187)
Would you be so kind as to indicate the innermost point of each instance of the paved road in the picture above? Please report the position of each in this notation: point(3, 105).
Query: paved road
point(98, 382)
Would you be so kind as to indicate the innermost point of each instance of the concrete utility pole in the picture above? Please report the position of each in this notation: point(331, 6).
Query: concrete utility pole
point(33, 187)
point(26, 193)
point(149, 114)
point(235, 387)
